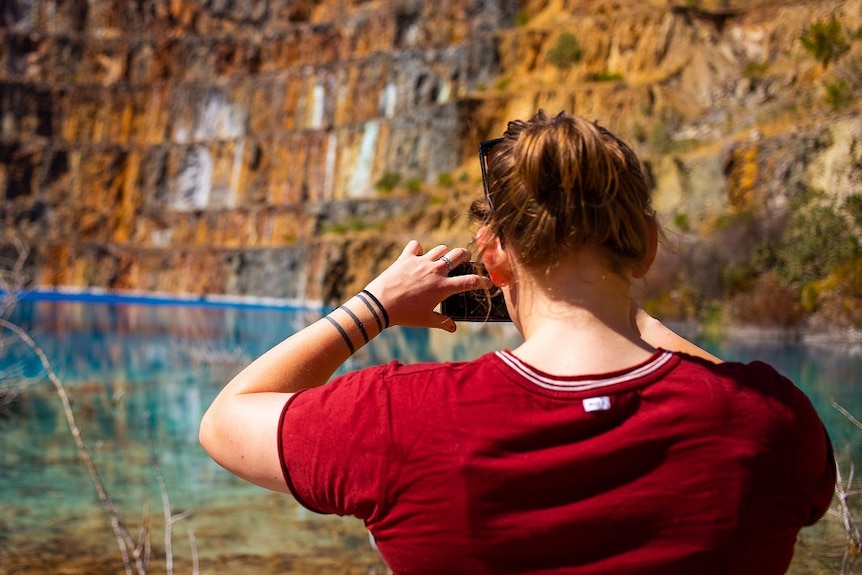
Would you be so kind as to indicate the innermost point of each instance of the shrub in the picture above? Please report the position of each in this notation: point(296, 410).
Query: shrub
point(736, 279)
point(770, 301)
point(825, 41)
point(816, 242)
point(566, 52)
point(838, 94)
point(681, 221)
point(838, 297)
point(607, 76)
point(354, 224)
point(388, 181)
point(853, 207)
point(414, 185)
point(445, 179)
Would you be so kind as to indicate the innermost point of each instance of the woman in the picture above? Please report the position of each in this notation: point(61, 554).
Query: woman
point(603, 444)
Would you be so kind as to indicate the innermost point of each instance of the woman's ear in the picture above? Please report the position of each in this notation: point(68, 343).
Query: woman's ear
point(494, 256)
point(640, 269)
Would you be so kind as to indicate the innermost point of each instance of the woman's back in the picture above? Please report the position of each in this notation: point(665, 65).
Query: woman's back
point(674, 466)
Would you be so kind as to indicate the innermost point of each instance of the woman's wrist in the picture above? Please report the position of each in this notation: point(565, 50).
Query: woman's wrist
point(359, 319)
point(364, 296)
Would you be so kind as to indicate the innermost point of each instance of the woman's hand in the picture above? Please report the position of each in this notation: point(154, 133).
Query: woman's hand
point(417, 282)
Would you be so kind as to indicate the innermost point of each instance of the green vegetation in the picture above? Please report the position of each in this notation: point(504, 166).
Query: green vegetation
point(816, 242)
point(775, 270)
point(839, 94)
point(355, 224)
point(660, 138)
point(755, 71)
point(640, 133)
point(825, 41)
point(815, 261)
point(565, 53)
point(737, 279)
point(853, 207)
point(445, 179)
point(606, 76)
point(521, 18)
point(845, 282)
point(388, 182)
point(414, 185)
point(681, 222)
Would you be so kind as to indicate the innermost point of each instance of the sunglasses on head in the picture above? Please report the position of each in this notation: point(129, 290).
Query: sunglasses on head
point(484, 149)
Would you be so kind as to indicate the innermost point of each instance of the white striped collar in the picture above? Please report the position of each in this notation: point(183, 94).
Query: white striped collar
point(657, 362)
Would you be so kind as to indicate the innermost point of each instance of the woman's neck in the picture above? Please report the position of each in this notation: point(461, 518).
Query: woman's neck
point(577, 318)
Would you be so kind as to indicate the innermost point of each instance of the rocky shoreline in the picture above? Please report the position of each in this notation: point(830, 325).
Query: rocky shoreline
point(847, 337)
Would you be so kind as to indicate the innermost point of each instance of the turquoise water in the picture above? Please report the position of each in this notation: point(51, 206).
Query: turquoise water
point(140, 377)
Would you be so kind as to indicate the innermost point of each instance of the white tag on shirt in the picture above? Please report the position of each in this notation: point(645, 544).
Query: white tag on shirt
point(602, 403)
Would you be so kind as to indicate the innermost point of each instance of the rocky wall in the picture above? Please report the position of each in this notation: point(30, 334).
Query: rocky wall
point(159, 145)
point(225, 147)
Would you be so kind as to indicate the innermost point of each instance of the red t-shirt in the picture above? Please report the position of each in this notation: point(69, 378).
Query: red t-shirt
point(491, 466)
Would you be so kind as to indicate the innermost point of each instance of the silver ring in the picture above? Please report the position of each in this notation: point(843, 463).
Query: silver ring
point(447, 262)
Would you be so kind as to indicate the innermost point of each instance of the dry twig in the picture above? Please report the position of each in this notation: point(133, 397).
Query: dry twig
point(170, 518)
point(132, 552)
point(843, 493)
point(135, 553)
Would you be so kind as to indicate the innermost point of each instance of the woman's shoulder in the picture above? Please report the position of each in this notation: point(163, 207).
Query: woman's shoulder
point(399, 369)
point(396, 372)
point(758, 381)
point(735, 369)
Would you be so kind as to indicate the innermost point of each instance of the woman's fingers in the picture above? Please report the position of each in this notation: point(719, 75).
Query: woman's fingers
point(437, 251)
point(457, 256)
point(413, 248)
point(444, 322)
point(413, 286)
point(440, 253)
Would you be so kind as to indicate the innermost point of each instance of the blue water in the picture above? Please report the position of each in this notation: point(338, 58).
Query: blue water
point(140, 377)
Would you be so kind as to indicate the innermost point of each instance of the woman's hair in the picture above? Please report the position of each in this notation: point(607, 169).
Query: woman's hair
point(559, 183)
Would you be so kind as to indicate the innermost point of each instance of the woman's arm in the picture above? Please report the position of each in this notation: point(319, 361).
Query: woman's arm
point(239, 429)
point(657, 334)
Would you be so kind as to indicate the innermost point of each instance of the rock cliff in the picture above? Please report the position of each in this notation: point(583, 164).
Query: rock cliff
point(287, 149)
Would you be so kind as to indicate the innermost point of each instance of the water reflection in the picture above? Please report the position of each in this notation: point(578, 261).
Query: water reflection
point(140, 377)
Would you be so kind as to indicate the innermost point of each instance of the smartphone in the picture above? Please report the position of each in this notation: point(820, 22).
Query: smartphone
point(476, 305)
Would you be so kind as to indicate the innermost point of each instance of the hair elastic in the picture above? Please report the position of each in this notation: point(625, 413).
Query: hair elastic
point(343, 333)
point(357, 322)
point(380, 305)
point(373, 311)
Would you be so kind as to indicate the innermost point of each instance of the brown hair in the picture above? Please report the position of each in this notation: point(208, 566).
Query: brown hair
point(559, 183)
